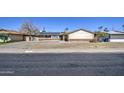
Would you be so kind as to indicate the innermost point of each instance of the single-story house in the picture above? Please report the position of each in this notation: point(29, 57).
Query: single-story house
point(77, 35)
point(17, 36)
point(31, 37)
point(116, 36)
point(43, 36)
point(11, 35)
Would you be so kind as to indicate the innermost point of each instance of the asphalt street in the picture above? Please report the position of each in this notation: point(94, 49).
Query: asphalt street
point(62, 64)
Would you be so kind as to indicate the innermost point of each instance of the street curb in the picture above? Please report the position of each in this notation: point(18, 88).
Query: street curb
point(62, 51)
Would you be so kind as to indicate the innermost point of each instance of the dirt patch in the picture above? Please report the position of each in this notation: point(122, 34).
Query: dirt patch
point(60, 45)
point(80, 45)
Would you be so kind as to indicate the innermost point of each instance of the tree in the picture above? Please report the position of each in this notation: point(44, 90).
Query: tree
point(106, 29)
point(3, 37)
point(123, 27)
point(100, 28)
point(29, 29)
point(66, 29)
point(100, 35)
point(44, 30)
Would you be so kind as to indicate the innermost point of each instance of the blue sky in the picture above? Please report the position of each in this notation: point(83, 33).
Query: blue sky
point(58, 24)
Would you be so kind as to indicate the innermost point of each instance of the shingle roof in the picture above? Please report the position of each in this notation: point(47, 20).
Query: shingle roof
point(50, 33)
point(115, 32)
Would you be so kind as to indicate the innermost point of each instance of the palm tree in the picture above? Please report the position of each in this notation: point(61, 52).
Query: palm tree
point(100, 28)
point(66, 29)
point(123, 27)
point(44, 30)
point(106, 29)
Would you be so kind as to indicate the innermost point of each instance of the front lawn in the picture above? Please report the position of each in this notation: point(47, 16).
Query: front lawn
point(1, 43)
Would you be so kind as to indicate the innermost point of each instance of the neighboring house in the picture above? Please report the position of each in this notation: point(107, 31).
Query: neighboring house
point(116, 36)
point(16, 36)
point(43, 36)
point(11, 35)
point(31, 38)
point(77, 35)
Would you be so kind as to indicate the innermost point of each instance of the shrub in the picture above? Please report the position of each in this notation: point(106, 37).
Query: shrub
point(3, 38)
point(93, 41)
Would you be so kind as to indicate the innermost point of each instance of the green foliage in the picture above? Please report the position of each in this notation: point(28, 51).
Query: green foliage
point(101, 34)
point(3, 37)
point(100, 28)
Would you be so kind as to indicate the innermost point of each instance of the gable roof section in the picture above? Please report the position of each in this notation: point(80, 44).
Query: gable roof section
point(50, 33)
point(79, 30)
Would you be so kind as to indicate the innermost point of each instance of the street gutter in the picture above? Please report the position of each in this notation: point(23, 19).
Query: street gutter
point(62, 50)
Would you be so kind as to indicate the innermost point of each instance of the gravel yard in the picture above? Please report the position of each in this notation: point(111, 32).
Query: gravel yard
point(59, 45)
point(61, 63)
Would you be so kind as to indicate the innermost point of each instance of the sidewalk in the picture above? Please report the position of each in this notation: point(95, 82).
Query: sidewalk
point(62, 50)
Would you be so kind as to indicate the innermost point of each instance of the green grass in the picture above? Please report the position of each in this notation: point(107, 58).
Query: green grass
point(1, 43)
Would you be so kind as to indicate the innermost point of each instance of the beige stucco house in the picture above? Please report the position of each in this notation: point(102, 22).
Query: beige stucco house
point(32, 37)
point(16, 37)
point(12, 35)
point(78, 35)
point(43, 36)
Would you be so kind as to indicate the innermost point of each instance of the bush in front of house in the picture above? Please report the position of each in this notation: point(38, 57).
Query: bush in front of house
point(4, 38)
point(102, 36)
